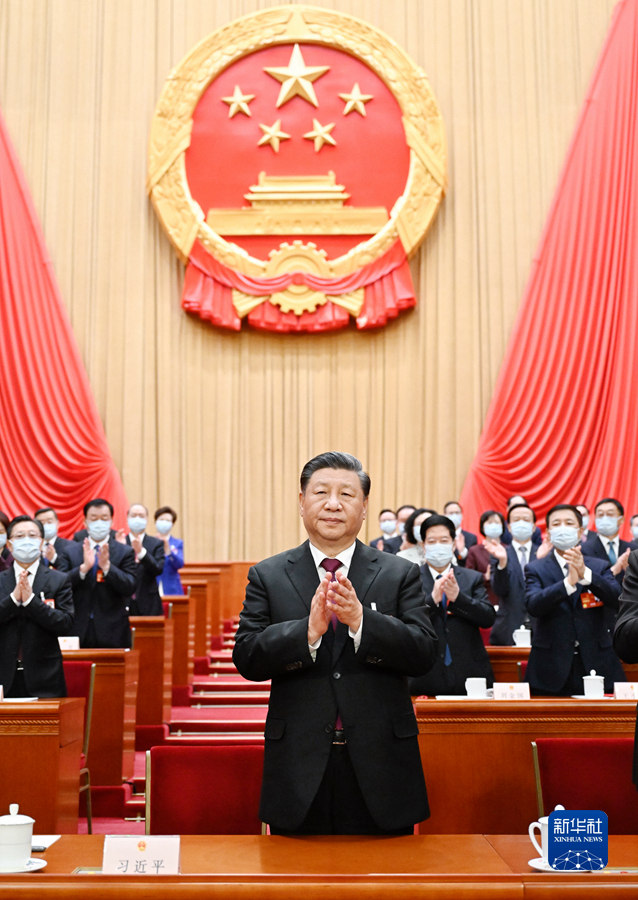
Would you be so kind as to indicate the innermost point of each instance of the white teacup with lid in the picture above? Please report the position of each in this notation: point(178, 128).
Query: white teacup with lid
point(522, 637)
point(16, 832)
point(593, 685)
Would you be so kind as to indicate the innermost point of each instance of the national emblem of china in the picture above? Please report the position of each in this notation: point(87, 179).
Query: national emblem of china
point(297, 158)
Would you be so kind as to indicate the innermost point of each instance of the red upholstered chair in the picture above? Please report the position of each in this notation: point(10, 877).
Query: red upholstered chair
point(588, 773)
point(80, 679)
point(203, 790)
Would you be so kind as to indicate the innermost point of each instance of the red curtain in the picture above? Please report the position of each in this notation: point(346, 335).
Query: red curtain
point(53, 447)
point(562, 424)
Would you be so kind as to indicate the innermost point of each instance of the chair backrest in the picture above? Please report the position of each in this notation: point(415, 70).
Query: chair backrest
point(521, 668)
point(203, 790)
point(588, 773)
point(80, 681)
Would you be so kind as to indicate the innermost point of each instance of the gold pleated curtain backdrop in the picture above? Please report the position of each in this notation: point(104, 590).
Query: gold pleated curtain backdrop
point(218, 424)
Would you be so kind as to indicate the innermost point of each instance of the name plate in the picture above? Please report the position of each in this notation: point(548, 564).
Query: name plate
point(151, 854)
point(69, 642)
point(511, 690)
point(626, 690)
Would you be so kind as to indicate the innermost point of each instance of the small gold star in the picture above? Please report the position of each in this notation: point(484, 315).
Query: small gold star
point(355, 100)
point(238, 103)
point(296, 78)
point(320, 135)
point(272, 135)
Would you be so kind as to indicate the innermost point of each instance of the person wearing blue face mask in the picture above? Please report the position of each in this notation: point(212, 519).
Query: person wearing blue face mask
point(605, 542)
point(464, 540)
point(36, 607)
point(458, 607)
point(574, 599)
point(169, 581)
point(149, 563)
point(508, 573)
point(101, 572)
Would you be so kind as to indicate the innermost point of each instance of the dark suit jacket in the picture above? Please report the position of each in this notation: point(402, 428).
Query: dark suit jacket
point(60, 545)
point(106, 602)
point(561, 621)
point(509, 586)
point(36, 627)
point(457, 627)
point(146, 600)
point(593, 546)
point(390, 545)
point(368, 688)
point(626, 631)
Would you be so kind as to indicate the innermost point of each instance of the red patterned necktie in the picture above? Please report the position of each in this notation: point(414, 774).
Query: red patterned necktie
point(331, 565)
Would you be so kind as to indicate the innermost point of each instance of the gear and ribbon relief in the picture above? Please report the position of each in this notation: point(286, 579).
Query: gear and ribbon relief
point(297, 158)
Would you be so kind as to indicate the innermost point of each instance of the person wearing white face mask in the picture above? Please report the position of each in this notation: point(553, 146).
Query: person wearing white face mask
point(36, 607)
point(508, 573)
point(101, 573)
point(458, 607)
point(389, 539)
point(149, 563)
point(605, 542)
point(464, 540)
point(6, 560)
point(574, 600)
point(412, 536)
point(582, 509)
point(169, 581)
point(53, 544)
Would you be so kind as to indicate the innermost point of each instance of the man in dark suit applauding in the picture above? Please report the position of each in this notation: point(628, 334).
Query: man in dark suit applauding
point(337, 626)
point(36, 607)
point(102, 576)
point(574, 599)
point(149, 563)
point(457, 602)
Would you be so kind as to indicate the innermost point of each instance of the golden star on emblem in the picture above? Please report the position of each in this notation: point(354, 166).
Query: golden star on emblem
point(272, 135)
point(355, 100)
point(320, 135)
point(296, 78)
point(238, 103)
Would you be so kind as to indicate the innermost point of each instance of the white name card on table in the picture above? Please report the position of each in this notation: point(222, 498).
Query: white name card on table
point(69, 642)
point(626, 690)
point(511, 690)
point(134, 854)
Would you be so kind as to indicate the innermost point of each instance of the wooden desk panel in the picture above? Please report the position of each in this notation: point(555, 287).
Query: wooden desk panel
point(505, 661)
point(243, 866)
point(202, 600)
point(477, 756)
point(445, 867)
point(40, 747)
point(153, 639)
point(183, 618)
point(112, 742)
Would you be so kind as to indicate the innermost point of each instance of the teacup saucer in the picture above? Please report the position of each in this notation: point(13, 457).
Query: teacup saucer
point(540, 863)
point(32, 865)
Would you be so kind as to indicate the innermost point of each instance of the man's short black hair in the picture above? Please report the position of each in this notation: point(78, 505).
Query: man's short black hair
point(613, 500)
point(436, 519)
point(520, 506)
point(488, 515)
point(385, 511)
point(19, 519)
point(45, 509)
point(334, 459)
point(405, 506)
point(99, 501)
point(559, 506)
point(452, 503)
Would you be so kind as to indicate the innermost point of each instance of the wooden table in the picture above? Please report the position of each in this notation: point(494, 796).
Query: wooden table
point(153, 639)
point(112, 741)
point(445, 867)
point(40, 747)
point(182, 615)
point(477, 756)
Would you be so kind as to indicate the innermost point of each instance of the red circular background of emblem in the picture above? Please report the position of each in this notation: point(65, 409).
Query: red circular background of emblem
point(371, 157)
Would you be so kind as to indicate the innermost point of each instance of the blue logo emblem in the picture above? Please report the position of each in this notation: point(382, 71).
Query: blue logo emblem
point(577, 840)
